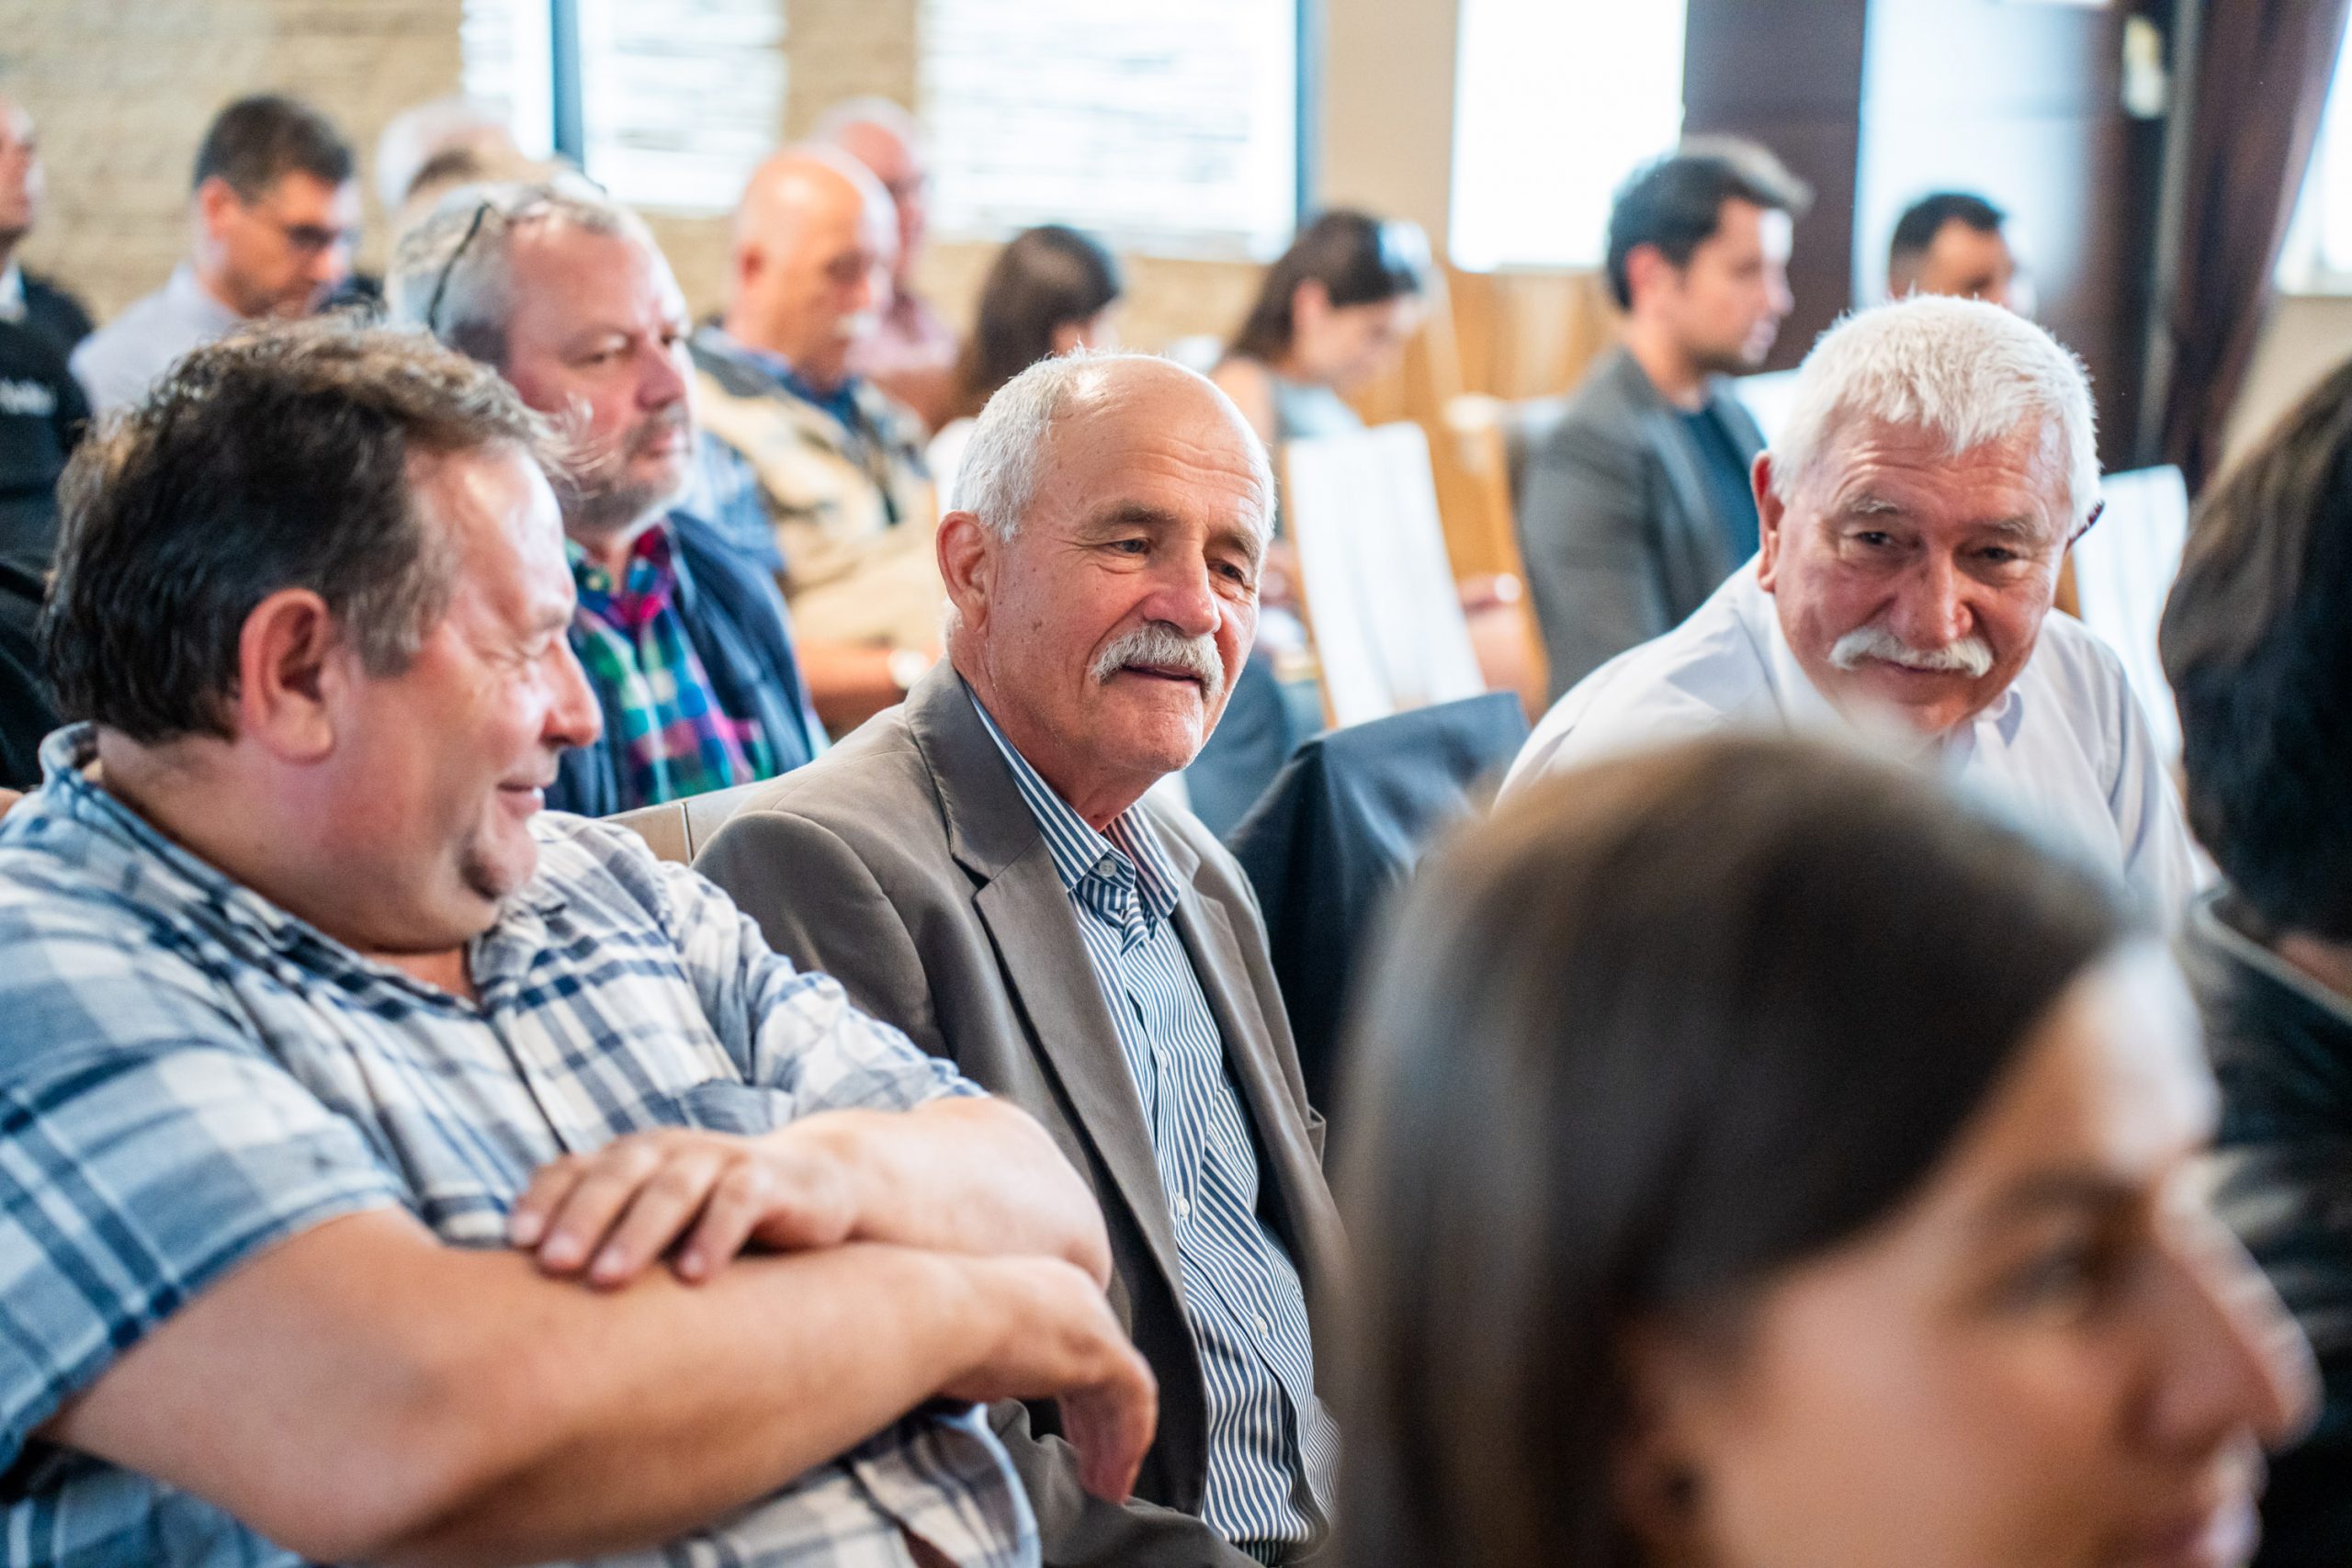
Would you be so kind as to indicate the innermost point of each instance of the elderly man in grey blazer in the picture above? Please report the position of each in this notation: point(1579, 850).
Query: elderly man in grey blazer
point(980, 866)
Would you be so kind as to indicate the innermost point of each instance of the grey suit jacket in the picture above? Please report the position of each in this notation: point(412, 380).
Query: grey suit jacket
point(1617, 528)
point(906, 864)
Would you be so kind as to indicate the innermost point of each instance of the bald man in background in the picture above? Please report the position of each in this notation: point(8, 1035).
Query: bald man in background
point(806, 465)
point(912, 355)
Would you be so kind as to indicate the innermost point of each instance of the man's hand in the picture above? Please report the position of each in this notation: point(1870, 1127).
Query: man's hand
point(8, 798)
point(612, 1214)
point(1055, 1333)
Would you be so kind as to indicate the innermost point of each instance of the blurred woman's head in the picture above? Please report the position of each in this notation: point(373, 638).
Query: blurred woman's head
point(1768, 1159)
point(1051, 289)
point(1338, 307)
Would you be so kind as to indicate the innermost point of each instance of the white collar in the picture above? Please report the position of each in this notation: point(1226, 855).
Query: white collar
point(12, 292)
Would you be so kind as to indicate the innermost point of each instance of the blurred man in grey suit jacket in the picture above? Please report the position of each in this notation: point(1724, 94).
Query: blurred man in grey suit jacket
point(1639, 505)
point(979, 866)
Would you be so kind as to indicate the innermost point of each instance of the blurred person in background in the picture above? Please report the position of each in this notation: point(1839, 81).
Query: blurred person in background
point(274, 213)
point(912, 354)
point(1768, 1157)
point(811, 468)
point(1333, 313)
point(2258, 646)
point(1051, 289)
point(1956, 243)
point(38, 304)
point(1638, 504)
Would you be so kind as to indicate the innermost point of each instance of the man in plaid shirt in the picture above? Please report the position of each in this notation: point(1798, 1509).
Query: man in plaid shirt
point(375, 1150)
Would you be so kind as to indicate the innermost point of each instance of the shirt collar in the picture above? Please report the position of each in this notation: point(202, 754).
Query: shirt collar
point(190, 300)
point(12, 292)
point(649, 581)
point(1130, 852)
point(842, 402)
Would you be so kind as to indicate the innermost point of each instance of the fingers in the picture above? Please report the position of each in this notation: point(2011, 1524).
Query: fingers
point(662, 1208)
point(1111, 1425)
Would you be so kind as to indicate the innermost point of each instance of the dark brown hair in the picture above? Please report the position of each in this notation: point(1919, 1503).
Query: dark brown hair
point(1358, 259)
point(2257, 644)
point(258, 141)
point(271, 459)
point(1677, 203)
point(1659, 1029)
point(1045, 279)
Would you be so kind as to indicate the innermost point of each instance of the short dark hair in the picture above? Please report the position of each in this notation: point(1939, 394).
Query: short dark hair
point(1359, 259)
point(1925, 218)
point(2257, 644)
point(271, 459)
point(1045, 277)
point(1658, 1032)
point(257, 141)
point(1676, 203)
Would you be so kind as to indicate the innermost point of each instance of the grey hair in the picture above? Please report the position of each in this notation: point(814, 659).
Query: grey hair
point(1968, 372)
point(1005, 461)
point(869, 109)
point(476, 303)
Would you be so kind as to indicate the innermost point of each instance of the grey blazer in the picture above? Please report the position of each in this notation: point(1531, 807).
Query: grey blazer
point(1617, 529)
point(905, 863)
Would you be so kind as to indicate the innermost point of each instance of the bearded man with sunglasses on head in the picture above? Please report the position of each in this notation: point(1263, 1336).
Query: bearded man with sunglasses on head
point(1937, 462)
point(685, 641)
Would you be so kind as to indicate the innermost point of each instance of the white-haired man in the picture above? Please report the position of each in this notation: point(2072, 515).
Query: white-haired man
point(1937, 460)
point(979, 865)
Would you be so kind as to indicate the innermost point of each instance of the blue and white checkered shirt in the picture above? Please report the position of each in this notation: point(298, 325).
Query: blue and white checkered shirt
point(189, 1074)
point(1271, 1445)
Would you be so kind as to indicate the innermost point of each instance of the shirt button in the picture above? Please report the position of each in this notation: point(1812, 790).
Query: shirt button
point(1182, 1208)
point(1264, 1328)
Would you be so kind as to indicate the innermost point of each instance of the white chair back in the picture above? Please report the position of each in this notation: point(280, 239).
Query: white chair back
point(2123, 571)
point(1389, 633)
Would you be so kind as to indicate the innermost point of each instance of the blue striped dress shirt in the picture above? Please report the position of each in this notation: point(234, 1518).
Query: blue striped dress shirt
point(1271, 1445)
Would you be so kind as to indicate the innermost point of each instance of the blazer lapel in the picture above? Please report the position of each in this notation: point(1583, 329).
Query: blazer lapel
point(1028, 911)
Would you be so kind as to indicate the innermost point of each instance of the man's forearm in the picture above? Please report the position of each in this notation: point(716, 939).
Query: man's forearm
point(362, 1390)
point(974, 1175)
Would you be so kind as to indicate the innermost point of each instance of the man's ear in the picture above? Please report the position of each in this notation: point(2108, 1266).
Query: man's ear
point(1771, 513)
point(1310, 303)
point(293, 668)
point(214, 200)
point(968, 556)
point(1648, 270)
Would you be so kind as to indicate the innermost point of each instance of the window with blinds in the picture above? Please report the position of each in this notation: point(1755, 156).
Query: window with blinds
point(1168, 126)
point(2317, 255)
point(1555, 102)
point(678, 101)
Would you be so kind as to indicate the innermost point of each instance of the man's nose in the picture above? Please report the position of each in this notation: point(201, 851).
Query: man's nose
point(574, 716)
point(1783, 299)
point(1931, 610)
point(663, 381)
point(1184, 597)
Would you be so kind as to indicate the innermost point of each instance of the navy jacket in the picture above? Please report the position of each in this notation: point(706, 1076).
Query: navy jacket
point(736, 619)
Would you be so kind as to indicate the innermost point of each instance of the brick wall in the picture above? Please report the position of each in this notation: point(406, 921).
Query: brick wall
point(123, 88)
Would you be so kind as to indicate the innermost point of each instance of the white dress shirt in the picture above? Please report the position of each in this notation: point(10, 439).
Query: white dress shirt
point(2066, 746)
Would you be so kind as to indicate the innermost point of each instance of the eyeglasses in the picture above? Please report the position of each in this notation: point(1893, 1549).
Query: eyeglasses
point(482, 209)
point(2098, 510)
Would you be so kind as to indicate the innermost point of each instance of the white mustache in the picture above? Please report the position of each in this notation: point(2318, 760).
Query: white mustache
point(1971, 656)
point(1162, 647)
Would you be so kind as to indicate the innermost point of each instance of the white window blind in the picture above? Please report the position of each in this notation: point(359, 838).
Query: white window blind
point(679, 102)
point(2317, 257)
point(1164, 126)
point(1555, 102)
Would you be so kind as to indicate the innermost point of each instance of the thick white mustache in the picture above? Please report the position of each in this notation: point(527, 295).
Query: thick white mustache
point(1970, 655)
point(1162, 647)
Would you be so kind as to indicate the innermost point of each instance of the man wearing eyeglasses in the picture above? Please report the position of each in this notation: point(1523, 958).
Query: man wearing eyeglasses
point(274, 211)
point(912, 354)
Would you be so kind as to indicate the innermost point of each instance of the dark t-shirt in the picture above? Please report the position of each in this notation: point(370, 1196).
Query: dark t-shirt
point(1728, 484)
point(43, 414)
point(26, 712)
point(54, 314)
